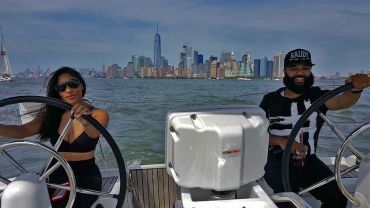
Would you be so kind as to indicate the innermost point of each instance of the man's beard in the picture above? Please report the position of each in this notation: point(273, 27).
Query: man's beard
point(299, 89)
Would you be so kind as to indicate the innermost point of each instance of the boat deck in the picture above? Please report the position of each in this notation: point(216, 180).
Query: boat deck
point(153, 187)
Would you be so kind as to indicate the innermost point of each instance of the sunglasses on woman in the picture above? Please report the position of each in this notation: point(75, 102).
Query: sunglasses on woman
point(74, 83)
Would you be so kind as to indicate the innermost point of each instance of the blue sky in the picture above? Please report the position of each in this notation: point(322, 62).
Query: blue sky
point(84, 33)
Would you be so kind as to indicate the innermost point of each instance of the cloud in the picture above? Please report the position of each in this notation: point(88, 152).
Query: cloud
point(87, 32)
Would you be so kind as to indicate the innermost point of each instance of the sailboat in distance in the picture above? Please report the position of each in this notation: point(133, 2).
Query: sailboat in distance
point(5, 70)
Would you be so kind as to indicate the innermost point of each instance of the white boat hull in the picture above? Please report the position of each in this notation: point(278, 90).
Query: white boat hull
point(3, 79)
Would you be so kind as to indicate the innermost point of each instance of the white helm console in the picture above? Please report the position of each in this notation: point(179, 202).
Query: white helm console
point(217, 150)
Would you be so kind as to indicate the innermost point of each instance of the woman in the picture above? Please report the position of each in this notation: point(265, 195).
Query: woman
point(79, 144)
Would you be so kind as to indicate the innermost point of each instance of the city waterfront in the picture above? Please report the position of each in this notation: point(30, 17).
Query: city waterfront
point(138, 109)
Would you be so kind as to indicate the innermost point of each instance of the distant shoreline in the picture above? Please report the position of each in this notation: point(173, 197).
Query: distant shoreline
point(222, 78)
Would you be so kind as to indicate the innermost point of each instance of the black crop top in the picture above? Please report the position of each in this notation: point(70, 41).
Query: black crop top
point(82, 143)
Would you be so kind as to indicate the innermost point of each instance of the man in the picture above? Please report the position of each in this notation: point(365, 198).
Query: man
point(283, 108)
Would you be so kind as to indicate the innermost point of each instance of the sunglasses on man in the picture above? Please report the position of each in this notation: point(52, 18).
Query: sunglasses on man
point(74, 83)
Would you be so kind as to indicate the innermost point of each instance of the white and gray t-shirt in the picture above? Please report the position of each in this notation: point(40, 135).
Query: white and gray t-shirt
point(284, 113)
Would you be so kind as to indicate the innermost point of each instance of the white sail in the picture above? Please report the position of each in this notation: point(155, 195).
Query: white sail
point(5, 70)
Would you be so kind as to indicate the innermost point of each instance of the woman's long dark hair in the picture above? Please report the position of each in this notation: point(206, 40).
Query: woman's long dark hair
point(53, 115)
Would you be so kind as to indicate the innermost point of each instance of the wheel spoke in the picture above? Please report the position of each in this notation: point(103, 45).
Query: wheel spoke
point(81, 190)
point(341, 136)
point(328, 179)
point(63, 134)
point(13, 162)
point(57, 144)
point(49, 171)
point(57, 186)
point(4, 180)
point(93, 192)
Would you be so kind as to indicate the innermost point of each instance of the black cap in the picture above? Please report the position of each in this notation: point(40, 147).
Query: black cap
point(297, 56)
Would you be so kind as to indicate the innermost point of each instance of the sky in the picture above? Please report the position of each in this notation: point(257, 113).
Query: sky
point(88, 33)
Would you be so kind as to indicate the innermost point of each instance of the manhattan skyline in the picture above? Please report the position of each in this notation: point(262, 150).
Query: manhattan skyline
point(88, 33)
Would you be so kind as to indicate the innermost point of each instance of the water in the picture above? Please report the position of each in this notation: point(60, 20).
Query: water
point(138, 109)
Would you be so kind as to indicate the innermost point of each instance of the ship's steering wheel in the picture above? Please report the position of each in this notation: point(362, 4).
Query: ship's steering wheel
point(60, 159)
point(338, 172)
point(118, 157)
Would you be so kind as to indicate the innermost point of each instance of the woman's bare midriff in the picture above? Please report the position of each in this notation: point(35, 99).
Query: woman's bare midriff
point(77, 156)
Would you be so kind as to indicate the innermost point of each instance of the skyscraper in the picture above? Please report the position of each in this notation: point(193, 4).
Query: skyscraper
point(226, 57)
point(200, 59)
point(269, 69)
point(256, 69)
point(157, 50)
point(195, 57)
point(278, 66)
point(249, 64)
point(263, 67)
point(186, 55)
point(135, 61)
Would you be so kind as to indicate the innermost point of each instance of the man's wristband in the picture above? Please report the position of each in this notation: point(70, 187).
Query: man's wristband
point(356, 91)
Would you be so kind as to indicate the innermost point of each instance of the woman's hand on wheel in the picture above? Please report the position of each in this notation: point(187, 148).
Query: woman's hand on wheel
point(80, 109)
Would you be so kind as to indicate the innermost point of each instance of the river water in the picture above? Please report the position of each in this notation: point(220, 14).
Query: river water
point(138, 109)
